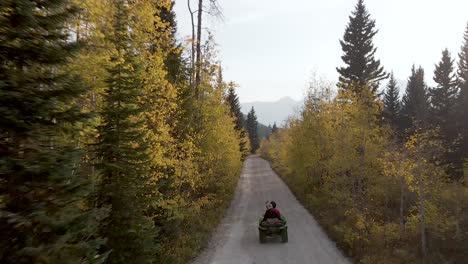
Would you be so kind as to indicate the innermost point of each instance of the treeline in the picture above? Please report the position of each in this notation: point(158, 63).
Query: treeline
point(384, 176)
point(115, 147)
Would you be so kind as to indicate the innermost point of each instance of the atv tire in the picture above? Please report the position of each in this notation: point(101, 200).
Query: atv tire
point(262, 236)
point(284, 235)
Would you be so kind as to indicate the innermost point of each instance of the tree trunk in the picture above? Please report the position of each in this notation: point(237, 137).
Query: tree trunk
point(422, 217)
point(78, 26)
point(459, 210)
point(192, 54)
point(199, 59)
point(402, 206)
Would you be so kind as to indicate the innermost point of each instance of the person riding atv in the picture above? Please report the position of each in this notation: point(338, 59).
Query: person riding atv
point(272, 224)
point(272, 212)
point(273, 203)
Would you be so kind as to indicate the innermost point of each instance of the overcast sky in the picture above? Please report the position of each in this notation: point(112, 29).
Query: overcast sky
point(270, 47)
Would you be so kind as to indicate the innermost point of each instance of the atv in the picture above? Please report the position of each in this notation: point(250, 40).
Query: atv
point(273, 228)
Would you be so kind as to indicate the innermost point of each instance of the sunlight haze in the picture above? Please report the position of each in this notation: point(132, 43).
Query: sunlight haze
point(270, 47)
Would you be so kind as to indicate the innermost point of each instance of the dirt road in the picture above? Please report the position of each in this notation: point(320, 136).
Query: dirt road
point(236, 239)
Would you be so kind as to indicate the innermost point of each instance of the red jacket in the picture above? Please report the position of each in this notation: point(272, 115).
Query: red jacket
point(277, 212)
point(271, 213)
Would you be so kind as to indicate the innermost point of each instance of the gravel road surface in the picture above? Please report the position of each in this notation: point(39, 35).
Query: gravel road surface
point(236, 238)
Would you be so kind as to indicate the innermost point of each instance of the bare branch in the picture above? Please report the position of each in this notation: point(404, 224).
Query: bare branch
point(215, 10)
point(192, 54)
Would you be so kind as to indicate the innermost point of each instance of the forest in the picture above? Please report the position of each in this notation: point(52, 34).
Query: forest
point(122, 143)
point(384, 176)
point(117, 139)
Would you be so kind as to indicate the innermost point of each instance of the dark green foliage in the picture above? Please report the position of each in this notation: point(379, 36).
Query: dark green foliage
point(274, 129)
point(233, 101)
point(269, 129)
point(442, 111)
point(443, 95)
point(263, 131)
point(361, 66)
point(391, 102)
point(252, 126)
point(415, 102)
point(177, 71)
point(168, 16)
point(123, 154)
point(462, 101)
point(45, 211)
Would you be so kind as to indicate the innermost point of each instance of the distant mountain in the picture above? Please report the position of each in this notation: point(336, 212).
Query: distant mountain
point(271, 112)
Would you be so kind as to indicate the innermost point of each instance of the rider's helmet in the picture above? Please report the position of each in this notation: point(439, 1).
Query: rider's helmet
point(273, 203)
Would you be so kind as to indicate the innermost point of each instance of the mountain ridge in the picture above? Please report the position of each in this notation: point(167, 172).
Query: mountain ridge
point(270, 112)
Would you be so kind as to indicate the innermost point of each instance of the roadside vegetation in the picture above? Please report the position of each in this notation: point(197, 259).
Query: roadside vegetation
point(385, 177)
point(115, 147)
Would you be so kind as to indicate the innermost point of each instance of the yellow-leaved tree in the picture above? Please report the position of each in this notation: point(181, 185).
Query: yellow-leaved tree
point(376, 196)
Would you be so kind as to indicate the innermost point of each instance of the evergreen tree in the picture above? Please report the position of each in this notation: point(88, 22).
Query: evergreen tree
point(443, 111)
point(462, 101)
point(391, 102)
point(270, 129)
point(46, 214)
point(415, 102)
point(274, 129)
point(123, 152)
point(263, 131)
point(443, 95)
point(177, 72)
point(252, 126)
point(359, 53)
point(239, 120)
point(233, 101)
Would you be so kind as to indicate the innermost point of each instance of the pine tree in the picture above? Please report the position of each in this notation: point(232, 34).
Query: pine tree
point(359, 53)
point(177, 72)
point(415, 102)
point(269, 128)
point(391, 102)
point(123, 152)
point(252, 129)
point(443, 111)
point(274, 129)
point(46, 215)
point(462, 100)
point(233, 102)
point(443, 96)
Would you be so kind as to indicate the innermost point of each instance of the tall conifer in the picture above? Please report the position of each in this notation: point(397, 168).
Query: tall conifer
point(415, 102)
point(462, 101)
point(233, 101)
point(443, 111)
point(123, 152)
point(177, 72)
point(361, 67)
point(45, 210)
point(274, 129)
point(391, 102)
point(252, 129)
point(443, 95)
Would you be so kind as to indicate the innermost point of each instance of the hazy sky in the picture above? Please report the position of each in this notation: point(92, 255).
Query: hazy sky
point(270, 47)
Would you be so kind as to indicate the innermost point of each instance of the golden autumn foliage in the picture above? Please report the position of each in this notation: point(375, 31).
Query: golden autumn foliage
point(382, 201)
point(192, 157)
